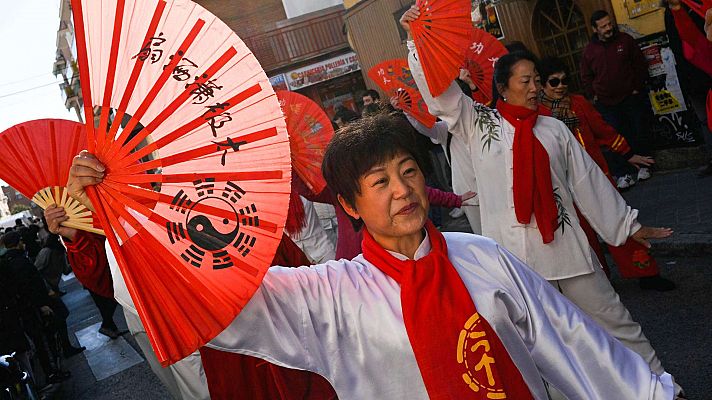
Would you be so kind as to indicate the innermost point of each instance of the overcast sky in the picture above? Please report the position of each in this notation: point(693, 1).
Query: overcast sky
point(28, 90)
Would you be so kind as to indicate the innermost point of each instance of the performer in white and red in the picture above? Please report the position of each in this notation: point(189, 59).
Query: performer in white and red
point(421, 314)
point(531, 166)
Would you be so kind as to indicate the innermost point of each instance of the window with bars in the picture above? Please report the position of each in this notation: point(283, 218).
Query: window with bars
point(560, 30)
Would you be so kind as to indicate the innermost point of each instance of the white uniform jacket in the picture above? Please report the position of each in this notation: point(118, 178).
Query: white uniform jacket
point(575, 177)
point(343, 320)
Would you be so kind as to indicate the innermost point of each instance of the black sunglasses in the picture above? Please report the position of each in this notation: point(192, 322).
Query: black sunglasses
point(555, 82)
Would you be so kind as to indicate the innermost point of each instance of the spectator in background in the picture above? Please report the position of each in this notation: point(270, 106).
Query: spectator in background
point(19, 223)
point(613, 74)
point(343, 116)
point(35, 309)
point(32, 243)
point(371, 97)
point(51, 261)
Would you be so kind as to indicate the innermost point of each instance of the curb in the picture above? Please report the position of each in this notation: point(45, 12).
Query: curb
point(684, 245)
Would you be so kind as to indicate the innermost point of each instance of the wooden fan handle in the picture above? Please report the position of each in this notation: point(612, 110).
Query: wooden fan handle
point(70, 224)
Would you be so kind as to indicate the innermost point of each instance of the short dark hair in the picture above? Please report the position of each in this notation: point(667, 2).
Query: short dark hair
point(11, 239)
point(597, 16)
point(516, 45)
point(372, 93)
point(503, 70)
point(356, 148)
point(549, 66)
point(18, 222)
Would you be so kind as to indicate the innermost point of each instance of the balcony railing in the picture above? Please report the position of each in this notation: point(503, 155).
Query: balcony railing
point(299, 41)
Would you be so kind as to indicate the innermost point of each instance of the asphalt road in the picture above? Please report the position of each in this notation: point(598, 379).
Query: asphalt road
point(678, 323)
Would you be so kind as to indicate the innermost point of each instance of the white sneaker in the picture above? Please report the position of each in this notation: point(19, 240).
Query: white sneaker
point(456, 213)
point(643, 174)
point(625, 181)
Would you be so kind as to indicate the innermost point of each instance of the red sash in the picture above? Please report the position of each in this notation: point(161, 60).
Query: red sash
point(533, 191)
point(459, 355)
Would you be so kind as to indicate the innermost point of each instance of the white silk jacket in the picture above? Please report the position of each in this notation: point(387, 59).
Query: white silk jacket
point(343, 320)
point(575, 177)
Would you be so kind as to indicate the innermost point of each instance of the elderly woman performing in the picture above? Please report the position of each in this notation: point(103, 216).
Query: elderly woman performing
point(530, 172)
point(420, 314)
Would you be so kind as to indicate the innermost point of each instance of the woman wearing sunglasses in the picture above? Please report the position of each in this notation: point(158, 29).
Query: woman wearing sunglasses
point(589, 128)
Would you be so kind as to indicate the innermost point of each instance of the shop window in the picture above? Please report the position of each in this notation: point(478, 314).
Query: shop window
point(560, 30)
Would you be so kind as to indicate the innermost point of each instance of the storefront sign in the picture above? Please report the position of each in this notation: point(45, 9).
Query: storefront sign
point(322, 71)
point(278, 82)
point(637, 8)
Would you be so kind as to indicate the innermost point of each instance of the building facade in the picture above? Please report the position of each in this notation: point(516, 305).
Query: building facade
point(15, 198)
point(66, 62)
point(302, 46)
point(559, 28)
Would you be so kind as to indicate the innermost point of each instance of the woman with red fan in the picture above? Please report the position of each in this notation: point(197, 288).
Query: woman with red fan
point(531, 165)
point(422, 314)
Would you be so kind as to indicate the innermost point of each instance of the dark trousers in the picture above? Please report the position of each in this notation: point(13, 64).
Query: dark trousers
point(106, 307)
point(631, 118)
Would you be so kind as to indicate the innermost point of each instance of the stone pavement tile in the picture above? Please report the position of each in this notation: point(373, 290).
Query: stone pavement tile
point(137, 382)
point(105, 356)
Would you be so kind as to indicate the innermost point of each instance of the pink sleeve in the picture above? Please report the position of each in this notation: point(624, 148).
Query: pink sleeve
point(443, 199)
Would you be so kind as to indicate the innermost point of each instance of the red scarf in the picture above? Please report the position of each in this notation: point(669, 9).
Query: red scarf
point(533, 191)
point(459, 355)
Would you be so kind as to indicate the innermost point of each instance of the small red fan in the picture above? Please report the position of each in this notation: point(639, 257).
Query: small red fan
point(36, 157)
point(442, 35)
point(482, 53)
point(394, 77)
point(700, 7)
point(196, 151)
point(310, 130)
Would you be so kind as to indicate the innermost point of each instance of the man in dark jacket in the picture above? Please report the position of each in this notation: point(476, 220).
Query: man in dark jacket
point(613, 74)
point(34, 302)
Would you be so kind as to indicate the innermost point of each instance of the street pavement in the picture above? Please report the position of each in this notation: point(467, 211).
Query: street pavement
point(677, 200)
point(678, 323)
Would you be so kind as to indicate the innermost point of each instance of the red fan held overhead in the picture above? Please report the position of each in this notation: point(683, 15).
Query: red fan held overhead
point(36, 157)
point(394, 77)
point(310, 130)
point(196, 151)
point(482, 53)
point(699, 6)
point(442, 35)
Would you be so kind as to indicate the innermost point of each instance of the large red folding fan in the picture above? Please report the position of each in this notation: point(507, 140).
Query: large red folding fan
point(310, 130)
point(699, 6)
point(482, 53)
point(197, 162)
point(36, 157)
point(394, 77)
point(442, 35)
